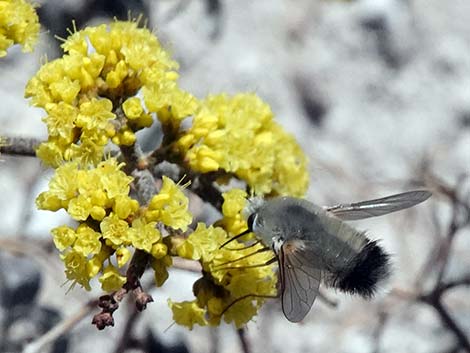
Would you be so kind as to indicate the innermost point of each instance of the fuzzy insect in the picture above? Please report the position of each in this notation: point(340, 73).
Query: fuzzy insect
point(314, 244)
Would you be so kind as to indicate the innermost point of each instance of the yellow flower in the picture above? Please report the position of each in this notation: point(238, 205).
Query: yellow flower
point(231, 272)
point(187, 313)
point(143, 235)
point(237, 134)
point(115, 230)
point(232, 209)
point(132, 108)
point(111, 279)
point(112, 61)
point(89, 192)
point(77, 268)
point(111, 82)
point(123, 206)
point(79, 208)
point(19, 24)
point(63, 237)
point(122, 256)
point(62, 188)
point(160, 267)
point(170, 206)
point(88, 241)
point(202, 243)
point(115, 182)
point(94, 115)
point(159, 250)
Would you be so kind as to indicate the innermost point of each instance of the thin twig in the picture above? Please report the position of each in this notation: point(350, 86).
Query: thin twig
point(187, 265)
point(383, 316)
point(19, 146)
point(441, 256)
point(60, 329)
point(126, 335)
point(241, 332)
point(434, 299)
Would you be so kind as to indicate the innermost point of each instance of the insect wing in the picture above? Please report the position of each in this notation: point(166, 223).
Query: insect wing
point(379, 207)
point(300, 281)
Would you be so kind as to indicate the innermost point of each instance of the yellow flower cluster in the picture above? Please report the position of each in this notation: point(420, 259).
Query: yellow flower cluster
point(227, 276)
point(111, 223)
point(238, 135)
point(19, 24)
point(91, 94)
point(109, 84)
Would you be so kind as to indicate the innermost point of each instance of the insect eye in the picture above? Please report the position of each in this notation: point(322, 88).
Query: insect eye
point(250, 221)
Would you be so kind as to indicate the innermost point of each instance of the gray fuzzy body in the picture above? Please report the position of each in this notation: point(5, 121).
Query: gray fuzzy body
point(332, 241)
point(347, 259)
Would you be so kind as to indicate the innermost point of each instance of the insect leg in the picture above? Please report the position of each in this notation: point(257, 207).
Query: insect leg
point(269, 262)
point(244, 257)
point(248, 296)
point(245, 247)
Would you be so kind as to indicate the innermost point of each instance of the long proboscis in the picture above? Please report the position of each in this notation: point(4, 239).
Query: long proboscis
point(236, 237)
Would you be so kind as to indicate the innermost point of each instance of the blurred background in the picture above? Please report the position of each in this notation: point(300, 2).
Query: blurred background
point(377, 92)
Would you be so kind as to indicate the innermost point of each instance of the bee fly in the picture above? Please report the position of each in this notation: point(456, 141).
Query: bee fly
point(313, 244)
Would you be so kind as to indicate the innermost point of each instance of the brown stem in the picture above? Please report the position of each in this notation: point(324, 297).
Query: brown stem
point(109, 303)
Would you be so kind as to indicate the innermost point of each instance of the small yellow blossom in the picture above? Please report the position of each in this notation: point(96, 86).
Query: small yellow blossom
point(122, 256)
point(79, 208)
point(232, 209)
point(111, 279)
point(132, 108)
point(170, 206)
point(88, 241)
point(19, 24)
point(95, 264)
point(115, 230)
point(202, 243)
point(63, 237)
point(160, 267)
point(159, 250)
point(143, 235)
point(123, 206)
point(89, 192)
point(63, 187)
point(187, 313)
point(77, 268)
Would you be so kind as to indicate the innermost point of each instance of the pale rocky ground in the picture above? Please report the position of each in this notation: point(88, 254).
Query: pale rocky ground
point(388, 82)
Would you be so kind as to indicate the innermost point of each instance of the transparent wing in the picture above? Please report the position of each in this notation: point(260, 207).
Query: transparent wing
point(379, 207)
point(299, 282)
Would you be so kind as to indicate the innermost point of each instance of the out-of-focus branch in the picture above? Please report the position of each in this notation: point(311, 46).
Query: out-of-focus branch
point(60, 329)
point(126, 335)
point(19, 146)
point(434, 299)
point(243, 340)
point(438, 260)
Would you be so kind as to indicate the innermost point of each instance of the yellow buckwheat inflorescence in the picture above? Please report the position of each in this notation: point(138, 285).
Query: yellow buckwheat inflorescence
point(111, 222)
point(19, 24)
point(103, 67)
point(222, 285)
point(110, 83)
point(237, 134)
